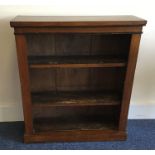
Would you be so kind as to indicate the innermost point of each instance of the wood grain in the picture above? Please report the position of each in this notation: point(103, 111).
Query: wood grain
point(49, 21)
point(76, 75)
point(133, 53)
point(24, 79)
point(77, 98)
point(77, 135)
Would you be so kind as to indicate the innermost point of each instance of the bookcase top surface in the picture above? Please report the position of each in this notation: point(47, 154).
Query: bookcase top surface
point(49, 21)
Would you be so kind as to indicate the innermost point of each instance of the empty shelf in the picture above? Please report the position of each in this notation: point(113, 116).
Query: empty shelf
point(74, 123)
point(75, 61)
point(45, 99)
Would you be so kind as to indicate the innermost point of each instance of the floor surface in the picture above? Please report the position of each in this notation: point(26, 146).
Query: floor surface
point(141, 135)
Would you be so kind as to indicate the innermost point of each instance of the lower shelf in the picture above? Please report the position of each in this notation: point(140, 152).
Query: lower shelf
point(74, 122)
point(81, 128)
point(56, 118)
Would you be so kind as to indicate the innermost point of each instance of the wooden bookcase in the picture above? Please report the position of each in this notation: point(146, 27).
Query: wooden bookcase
point(76, 75)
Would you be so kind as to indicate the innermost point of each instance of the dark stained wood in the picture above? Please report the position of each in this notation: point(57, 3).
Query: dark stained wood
point(38, 44)
point(49, 21)
point(133, 53)
point(74, 123)
point(77, 44)
point(48, 99)
point(73, 120)
point(68, 79)
point(114, 46)
point(107, 111)
point(76, 135)
point(76, 75)
point(72, 44)
point(42, 75)
point(99, 80)
point(93, 65)
point(83, 24)
point(106, 29)
point(75, 79)
point(24, 79)
point(75, 61)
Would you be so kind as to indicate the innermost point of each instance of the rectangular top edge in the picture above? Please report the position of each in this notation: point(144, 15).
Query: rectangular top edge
point(50, 21)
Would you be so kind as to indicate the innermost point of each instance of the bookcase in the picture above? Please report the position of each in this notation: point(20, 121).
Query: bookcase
point(76, 75)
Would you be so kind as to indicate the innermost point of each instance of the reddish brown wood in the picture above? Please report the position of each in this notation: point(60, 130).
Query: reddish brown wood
point(24, 79)
point(76, 54)
point(80, 29)
point(59, 21)
point(67, 136)
point(133, 53)
point(77, 65)
point(60, 99)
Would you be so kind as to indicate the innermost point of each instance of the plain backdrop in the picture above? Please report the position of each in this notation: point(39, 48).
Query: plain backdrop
point(143, 95)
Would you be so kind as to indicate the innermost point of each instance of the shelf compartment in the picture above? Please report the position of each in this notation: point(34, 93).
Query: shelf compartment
point(75, 61)
point(80, 122)
point(58, 99)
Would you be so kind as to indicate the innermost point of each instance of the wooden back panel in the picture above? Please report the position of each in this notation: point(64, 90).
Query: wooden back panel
point(72, 79)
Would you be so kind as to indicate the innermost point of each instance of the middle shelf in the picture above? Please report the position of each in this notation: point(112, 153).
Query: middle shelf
point(75, 61)
point(75, 98)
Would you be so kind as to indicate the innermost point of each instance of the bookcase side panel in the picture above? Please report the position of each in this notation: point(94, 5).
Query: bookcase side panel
point(132, 59)
point(24, 80)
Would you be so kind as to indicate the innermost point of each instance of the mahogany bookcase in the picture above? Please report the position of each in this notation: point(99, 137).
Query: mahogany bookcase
point(76, 75)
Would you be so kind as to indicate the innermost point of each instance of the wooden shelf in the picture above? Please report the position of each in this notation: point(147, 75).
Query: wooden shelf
point(49, 99)
point(75, 61)
point(76, 75)
point(74, 123)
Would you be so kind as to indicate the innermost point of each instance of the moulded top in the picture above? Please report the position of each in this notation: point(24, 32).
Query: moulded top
point(49, 21)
